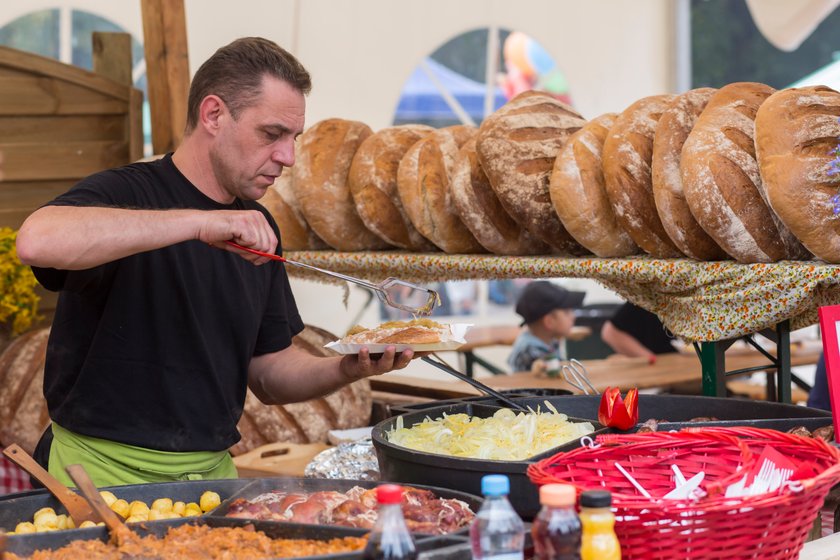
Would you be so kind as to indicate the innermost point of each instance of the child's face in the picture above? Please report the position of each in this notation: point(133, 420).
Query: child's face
point(560, 322)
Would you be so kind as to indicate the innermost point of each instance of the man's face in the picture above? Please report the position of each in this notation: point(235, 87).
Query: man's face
point(250, 152)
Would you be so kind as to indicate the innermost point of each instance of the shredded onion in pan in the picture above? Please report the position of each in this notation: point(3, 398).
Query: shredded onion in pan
point(505, 436)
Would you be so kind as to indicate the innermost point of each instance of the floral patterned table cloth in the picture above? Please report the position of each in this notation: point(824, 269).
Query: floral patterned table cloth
point(697, 301)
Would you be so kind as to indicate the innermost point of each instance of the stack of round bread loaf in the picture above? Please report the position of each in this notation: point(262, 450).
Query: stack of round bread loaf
point(739, 172)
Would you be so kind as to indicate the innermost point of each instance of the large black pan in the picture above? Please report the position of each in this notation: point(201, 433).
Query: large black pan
point(408, 466)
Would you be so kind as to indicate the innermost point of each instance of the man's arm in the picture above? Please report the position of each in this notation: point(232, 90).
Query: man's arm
point(622, 342)
point(294, 375)
point(77, 238)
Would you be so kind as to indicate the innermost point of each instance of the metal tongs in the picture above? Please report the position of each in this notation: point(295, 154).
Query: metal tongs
point(387, 290)
point(575, 375)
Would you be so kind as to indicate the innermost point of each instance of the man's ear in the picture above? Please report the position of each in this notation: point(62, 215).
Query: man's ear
point(210, 113)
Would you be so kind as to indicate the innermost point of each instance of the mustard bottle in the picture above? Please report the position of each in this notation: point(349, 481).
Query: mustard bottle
point(599, 541)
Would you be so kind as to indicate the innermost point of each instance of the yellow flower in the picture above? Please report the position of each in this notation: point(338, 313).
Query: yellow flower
point(18, 300)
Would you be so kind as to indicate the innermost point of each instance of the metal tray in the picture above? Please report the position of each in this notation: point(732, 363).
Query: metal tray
point(22, 507)
point(416, 467)
point(262, 485)
point(433, 548)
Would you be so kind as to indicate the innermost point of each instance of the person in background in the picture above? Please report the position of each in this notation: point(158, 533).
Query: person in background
point(161, 326)
point(818, 397)
point(547, 312)
point(636, 332)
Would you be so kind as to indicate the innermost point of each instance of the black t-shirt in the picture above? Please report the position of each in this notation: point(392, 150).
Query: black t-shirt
point(644, 326)
point(153, 349)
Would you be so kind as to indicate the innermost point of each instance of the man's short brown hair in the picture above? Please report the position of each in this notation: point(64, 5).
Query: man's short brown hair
point(235, 73)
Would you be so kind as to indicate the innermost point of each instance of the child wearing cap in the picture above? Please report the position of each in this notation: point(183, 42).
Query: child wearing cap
point(547, 310)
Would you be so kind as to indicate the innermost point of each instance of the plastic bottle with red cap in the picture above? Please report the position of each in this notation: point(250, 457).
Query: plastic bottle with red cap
point(390, 538)
point(555, 531)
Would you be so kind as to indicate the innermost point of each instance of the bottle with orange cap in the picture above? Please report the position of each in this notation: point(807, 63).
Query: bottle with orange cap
point(556, 531)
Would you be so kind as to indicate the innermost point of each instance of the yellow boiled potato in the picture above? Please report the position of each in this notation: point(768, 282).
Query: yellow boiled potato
point(192, 510)
point(121, 507)
point(61, 522)
point(70, 523)
point(162, 504)
point(108, 497)
point(138, 508)
point(136, 519)
point(170, 515)
point(86, 524)
point(25, 527)
point(156, 514)
point(179, 507)
point(209, 500)
point(45, 518)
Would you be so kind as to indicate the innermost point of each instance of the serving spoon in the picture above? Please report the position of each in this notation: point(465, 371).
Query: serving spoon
point(78, 508)
point(119, 530)
point(384, 290)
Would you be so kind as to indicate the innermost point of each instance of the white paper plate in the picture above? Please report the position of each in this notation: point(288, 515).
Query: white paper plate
point(459, 331)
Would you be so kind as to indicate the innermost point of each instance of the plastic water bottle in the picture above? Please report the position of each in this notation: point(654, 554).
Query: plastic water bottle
point(390, 538)
point(497, 532)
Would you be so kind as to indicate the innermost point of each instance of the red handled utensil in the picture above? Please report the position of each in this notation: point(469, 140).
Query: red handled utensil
point(385, 290)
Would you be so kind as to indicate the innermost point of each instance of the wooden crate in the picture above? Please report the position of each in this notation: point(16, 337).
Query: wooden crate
point(60, 123)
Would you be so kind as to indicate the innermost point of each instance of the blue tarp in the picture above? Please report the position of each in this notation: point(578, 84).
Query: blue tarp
point(421, 99)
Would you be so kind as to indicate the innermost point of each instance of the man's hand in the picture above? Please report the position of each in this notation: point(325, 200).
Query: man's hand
point(358, 366)
point(248, 228)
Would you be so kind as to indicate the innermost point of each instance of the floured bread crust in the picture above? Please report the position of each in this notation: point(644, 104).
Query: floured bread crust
point(722, 183)
point(627, 156)
point(517, 146)
point(796, 131)
point(373, 184)
point(672, 130)
point(579, 194)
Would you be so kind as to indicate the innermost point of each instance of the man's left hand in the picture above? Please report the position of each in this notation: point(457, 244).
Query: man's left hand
point(358, 366)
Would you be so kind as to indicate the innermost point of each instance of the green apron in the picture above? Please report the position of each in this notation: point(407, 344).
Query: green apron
point(112, 464)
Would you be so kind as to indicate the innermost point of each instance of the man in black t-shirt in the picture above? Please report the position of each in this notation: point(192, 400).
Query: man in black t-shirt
point(161, 326)
point(634, 331)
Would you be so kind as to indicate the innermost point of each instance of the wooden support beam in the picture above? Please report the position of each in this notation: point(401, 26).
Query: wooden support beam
point(167, 70)
point(112, 56)
point(112, 59)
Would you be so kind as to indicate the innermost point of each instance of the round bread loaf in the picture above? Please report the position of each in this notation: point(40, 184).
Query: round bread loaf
point(517, 146)
point(671, 132)
point(628, 151)
point(308, 421)
point(795, 131)
point(324, 155)
point(23, 409)
point(295, 233)
point(721, 179)
point(579, 194)
point(373, 184)
point(480, 209)
point(423, 181)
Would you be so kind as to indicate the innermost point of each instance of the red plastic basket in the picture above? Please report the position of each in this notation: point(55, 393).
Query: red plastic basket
point(767, 527)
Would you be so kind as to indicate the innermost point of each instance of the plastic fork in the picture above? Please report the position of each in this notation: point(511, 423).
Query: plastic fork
point(385, 290)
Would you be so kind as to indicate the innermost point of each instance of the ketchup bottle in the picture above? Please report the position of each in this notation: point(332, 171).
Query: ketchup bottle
point(556, 528)
point(390, 538)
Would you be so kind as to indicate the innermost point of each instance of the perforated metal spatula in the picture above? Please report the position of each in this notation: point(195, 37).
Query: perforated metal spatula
point(391, 291)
